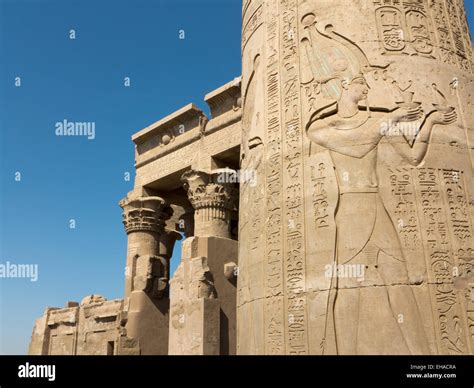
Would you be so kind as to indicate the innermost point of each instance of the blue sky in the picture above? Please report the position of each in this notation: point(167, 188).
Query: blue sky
point(64, 178)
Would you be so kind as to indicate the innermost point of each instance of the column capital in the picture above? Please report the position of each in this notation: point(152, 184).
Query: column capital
point(144, 214)
point(212, 194)
point(214, 188)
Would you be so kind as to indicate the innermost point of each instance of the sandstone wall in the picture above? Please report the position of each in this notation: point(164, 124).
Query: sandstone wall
point(358, 119)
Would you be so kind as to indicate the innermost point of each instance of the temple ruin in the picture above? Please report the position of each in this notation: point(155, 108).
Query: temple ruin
point(324, 207)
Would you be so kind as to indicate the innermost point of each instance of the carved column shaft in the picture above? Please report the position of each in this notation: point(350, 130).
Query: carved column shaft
point(144, 220)
point(202, 298)
point(145, 321)
point(340, 163)
point(212, 218)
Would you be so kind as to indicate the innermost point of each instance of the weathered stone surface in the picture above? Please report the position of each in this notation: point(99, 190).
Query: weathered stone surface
point(326, 204)
point(365, 160)
point(89, 329)
point(195, 311)
point(199, 276)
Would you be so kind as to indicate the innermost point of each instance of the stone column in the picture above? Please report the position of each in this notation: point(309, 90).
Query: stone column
point(144, 222)
point(150, 246)
point(212, 195)
point(356, 122)
point(202, 292)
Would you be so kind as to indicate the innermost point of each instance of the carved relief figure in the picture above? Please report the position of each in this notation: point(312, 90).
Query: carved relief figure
point(350, 131)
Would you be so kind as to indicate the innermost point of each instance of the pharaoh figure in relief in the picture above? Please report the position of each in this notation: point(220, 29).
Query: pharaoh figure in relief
point(376, 313)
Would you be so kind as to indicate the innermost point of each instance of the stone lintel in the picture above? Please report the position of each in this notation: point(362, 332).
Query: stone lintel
point(187, 114)
point(66, 315)
point(101, 310)
point(159, 150)
point(225, 98)
point(163, 134)
point(160, 164)
point(192, 137)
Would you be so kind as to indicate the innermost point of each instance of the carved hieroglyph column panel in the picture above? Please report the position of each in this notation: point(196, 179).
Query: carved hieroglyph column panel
point(213, 199)
point(357, 236)
point(150, 246)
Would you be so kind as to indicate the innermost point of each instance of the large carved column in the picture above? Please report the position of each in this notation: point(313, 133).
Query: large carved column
point(150, 246)
point(357, 237)
point(203, 295)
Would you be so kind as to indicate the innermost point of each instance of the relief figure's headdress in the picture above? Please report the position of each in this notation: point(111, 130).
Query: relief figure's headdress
point(329, 58)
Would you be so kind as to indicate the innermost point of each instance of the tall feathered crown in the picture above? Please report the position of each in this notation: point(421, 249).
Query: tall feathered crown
point(331, 58)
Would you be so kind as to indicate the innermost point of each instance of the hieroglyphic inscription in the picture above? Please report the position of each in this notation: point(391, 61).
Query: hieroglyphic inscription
point(256, 221)
point(459, 219)
point(459, 208)
point(320, 196)
point(403, 193)
point(428, 224)
point(457, 35)
point(391, 29)
point(293, 189)
point(418, 26)
point(406, 218)
point(167, 164)
point(440, 260)
point(181, 158)
point(470, 310)
point(404, 27)
point(449, 34)
point(415, 27)
point(445, 43)
point(465, 31)
point(274, 316)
